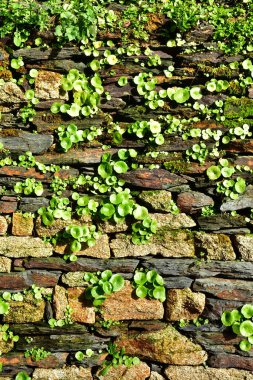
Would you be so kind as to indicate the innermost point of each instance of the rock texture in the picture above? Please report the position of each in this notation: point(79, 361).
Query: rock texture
point(73, 372)
point(202, 373)
point(124, 305)
point(83, 312)
point(183, 304)
point(165, 346)
point(15, 247)
point(136, 372)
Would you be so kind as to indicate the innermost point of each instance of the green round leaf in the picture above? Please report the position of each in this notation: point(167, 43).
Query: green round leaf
point(159, 293)
point(141, 291)
point(247, 311)
point(107, 287)
point(245, 345)
point(107, 210)
point(4, 307)
point(120, 167)
point(76, 232)
point(240, 185)
point(181, 95)
point(227, 318)
point(117, 282)
point(236, 328)
point(105, 169)
point(79, 355)
point(246, 328)
point(140, 212)
point(22, 376)
point(75, 246)
point(140, 278)
point(213, 172)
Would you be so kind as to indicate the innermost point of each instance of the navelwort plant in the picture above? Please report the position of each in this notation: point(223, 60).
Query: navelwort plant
point(28, 187)
point(241, 323)
point(72, 135)
point(149, 284)
point(37, 353)
point(228, 186)
point(85, 92)
point(117, 357)
point(102, 284)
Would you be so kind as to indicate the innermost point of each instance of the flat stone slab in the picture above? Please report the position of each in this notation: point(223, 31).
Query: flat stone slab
point(65, 373)
point(165, 346)
point(225, 288)
point(202, 373)
point(83, 311)
point(124, 305)
point(19, 246)
point(244, 245)
point(183, 304)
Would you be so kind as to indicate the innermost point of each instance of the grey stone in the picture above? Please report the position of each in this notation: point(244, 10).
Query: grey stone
point(5, 265)
point(215, 246)
point(244, 245)
point(202, 373)
point(17, 246)
point(65, 373)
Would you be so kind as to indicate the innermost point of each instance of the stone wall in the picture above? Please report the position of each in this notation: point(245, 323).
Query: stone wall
point(205, 258)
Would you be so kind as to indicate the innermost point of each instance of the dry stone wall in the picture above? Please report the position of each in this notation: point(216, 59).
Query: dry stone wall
point(203, 247)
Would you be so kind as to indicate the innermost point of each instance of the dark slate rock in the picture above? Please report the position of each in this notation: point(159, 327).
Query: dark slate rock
point(27, 142)
point(32, 204)
point(225, 288)
point(20, 281)
point(63, 343)
point(153, 179)
point(215, 307)
point(230, 361)
point(218, 222)
point(83, 264)
point(200, 269)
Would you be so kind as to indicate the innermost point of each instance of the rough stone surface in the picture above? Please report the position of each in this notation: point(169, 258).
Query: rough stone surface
point(166, 243)
point(29, 310)
point(5, 265)
point(201, 373)
point(135, 372)
point(109, 227)
point(17, 246)
point(3, 225)
point(224, 360)
point(183, 304)
point(60, 302)
point(156, 376)
point(101, 250)
point(216, 246)
point(158, 200)
point(174, 222)
point(73, 279)
point(8, 205)
point(65, 373)
point(244, 200)
point(83, 312)
point(22, 225)
point(165, 346)
point(225, 289)
point(10, 93)
point(245, 246)
point(191, 202)
point(124, 305)
point(5, 346)
point(47, 85)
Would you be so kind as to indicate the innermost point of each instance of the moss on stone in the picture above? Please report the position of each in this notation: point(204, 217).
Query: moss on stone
point(238, 108)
